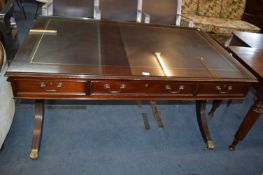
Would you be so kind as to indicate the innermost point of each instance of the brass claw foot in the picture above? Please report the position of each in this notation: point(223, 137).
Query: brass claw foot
point(34, 154)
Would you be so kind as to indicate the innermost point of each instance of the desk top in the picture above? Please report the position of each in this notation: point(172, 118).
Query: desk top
point(252, 58)
point(254, 40)
point(88, 48)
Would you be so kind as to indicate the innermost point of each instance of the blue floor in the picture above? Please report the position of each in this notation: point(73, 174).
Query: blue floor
point(109, 138)
point(101, 138)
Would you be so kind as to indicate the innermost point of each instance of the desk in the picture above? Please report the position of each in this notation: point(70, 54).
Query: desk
point(101, 60)
point(247, 39)
point(247, 48)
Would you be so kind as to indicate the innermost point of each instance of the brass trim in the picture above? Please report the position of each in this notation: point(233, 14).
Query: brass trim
point(210, 144)
point(38, 43)
point(41, 31)
point(33, 154)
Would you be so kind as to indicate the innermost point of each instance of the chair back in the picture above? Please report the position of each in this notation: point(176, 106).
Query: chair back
point(161, 12)
point(119, 10)
point(233, 9)
point(189, 6)
point(73, 8)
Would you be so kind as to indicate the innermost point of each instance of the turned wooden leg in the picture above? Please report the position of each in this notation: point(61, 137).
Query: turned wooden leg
point(37, 132)
point(251, 117)
point(202, 122)
point(215, 105)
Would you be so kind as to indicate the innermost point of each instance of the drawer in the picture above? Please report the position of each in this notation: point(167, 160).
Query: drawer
point(141, 88)
point(223, 89)
point(51, 87)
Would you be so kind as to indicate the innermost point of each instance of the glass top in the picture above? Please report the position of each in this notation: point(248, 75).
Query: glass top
point(123, 49)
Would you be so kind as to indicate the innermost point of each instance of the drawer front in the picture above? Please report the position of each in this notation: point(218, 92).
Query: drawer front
point(50, 87)
point(223, 89)
point(141, 88)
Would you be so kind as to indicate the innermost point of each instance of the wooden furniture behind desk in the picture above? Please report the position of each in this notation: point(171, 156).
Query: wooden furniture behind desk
point(248, 49)
point(7, 34)
point(105, 60)
point(247, 39)
point(254, 13)
point(161, 12)
point(73, 8)
point(119, 10)
point(215, 16)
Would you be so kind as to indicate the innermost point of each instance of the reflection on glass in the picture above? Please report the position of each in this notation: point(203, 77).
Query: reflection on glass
point(41, 31)
point(162, 64)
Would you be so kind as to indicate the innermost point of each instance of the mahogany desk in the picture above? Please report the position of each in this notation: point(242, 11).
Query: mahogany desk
point(247, 39)
point(248, 49)
point(79, 59)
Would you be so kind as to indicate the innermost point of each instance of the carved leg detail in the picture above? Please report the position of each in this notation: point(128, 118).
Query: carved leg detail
point(37, 132)
point(215, 105)
point(202, 122)
point(248, 122)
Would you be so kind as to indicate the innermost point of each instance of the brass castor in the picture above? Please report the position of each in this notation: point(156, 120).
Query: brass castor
point(210, 145)
point(231, 148)
point(34, 154)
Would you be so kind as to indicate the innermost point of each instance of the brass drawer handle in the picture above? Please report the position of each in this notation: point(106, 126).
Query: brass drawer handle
point(60, 85)
point(227, 89)
point(50, 90)
point(169, 89)
point(108, 88)
point(43, 85)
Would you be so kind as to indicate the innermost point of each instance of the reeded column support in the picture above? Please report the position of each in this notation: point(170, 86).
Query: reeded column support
point(37, 132)
point(252, 115)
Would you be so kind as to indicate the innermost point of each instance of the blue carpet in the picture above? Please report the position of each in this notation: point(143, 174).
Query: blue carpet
point(101, 138)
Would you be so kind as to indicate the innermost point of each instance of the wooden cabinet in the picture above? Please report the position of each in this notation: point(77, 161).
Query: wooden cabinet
point(254, 12)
